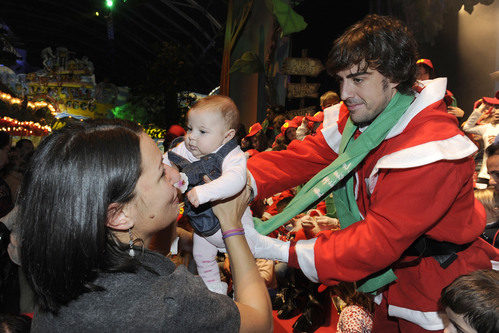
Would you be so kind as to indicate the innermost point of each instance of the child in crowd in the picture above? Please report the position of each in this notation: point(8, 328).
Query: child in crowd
point(488, 199)
point(356, 309)
point(210, 148)
point(488, 112)
point(471, 303)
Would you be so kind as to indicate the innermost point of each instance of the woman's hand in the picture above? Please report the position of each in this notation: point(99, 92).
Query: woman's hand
point(230, 211)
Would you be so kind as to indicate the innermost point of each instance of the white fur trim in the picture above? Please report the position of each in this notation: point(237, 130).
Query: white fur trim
point(454, 148)
point(495, 265)
point(430, 321)
point(378, 299)
point(306, 258)
point(433, 92)
point(330, 127)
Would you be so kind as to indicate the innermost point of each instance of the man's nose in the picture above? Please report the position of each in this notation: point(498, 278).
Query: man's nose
point(346, 90)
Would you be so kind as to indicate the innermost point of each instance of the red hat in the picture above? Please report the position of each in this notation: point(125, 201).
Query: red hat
point(316, 118)
point(176, 130)
point(293, 123)
point(254, 129)
point(426, 62)
point(492, 100)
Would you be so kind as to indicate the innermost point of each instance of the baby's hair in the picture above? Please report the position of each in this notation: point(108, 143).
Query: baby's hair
point(224, 104)
point(487, 197)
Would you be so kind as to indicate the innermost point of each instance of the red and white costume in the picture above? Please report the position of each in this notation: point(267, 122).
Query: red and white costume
point(418, 181)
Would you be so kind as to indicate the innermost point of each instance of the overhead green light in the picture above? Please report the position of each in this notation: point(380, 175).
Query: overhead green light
point(109, 3)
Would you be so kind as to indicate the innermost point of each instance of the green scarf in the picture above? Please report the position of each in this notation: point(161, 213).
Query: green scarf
point(352, 153)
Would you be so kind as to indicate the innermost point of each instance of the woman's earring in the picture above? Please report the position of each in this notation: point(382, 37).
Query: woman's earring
point(131, 252)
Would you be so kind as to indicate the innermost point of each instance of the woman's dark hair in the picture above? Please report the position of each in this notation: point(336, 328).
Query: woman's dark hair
point(74, 175)
point(4, 139)
point(381, 43)
point(476, 297)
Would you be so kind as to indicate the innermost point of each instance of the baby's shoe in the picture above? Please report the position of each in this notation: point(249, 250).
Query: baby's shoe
point(218, 287)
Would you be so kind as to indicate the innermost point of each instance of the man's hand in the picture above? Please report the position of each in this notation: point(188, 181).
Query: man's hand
point(193, 197)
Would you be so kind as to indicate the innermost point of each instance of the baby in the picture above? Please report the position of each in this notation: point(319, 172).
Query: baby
point(210, 148)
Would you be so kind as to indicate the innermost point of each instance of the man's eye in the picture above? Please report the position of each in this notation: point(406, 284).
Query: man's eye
point(189, 129)
point(357, 80)
point(202, 132)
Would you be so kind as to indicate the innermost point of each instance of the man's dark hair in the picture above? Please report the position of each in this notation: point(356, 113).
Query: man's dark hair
point(476, 297)
point(493, 149)
point(382, 43)
point(75, 174)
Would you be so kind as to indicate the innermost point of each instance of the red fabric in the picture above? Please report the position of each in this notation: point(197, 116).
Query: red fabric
point(293, 258)
point(276, 171)
point(286, 325)
point(321, 206)
point(386, 324)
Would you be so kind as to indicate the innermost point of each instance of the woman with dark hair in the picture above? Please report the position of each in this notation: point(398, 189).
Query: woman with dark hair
point(6, 203)
point(87, 213)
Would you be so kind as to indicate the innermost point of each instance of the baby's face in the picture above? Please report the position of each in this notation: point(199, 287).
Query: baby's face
point(206, 131)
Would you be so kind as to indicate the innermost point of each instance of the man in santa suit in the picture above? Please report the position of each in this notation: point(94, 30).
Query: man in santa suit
point(402, 177)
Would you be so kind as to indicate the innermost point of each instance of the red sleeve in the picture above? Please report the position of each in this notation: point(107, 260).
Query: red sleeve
point(276, 171)
point(435, 199)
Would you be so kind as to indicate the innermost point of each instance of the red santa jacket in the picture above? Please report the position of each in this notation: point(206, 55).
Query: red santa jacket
point(417, 182)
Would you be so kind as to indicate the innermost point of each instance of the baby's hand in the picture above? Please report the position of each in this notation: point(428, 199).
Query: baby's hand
point(172, 174)
point(193, 197)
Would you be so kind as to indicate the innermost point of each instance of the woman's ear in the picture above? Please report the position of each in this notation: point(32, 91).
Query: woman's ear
point(229, 135)
point(118, 217)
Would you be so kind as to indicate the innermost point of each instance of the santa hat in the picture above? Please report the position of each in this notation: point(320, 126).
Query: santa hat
point(254, 129)
point(426, 62)
point(293, 123)
point(316, 118)
point(176, 130)
point(492, 100)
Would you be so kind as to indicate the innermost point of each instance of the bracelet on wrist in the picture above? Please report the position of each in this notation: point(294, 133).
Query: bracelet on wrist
point(233, 234)
point(231, 231)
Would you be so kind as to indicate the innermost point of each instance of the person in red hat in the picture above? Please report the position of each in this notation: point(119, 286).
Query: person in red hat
point(484, 122)
point(255, 141)
point(426, 71)
point(288, 130)
point(173, 132)
point(401, 173)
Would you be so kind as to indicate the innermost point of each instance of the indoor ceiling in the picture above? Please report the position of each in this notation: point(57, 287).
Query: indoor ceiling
point(121, 41)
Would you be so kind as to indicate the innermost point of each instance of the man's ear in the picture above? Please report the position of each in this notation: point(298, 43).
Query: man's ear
point(118, 217)
point(229, 135)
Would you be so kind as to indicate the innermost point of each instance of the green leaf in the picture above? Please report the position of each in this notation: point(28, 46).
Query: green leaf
point(249, 63)
point(288, 19)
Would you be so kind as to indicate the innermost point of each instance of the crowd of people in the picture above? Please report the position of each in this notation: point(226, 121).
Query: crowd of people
point(372, 207)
